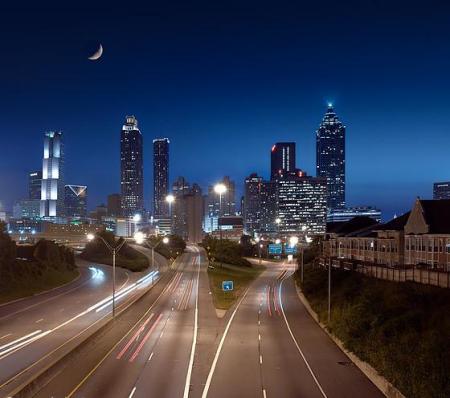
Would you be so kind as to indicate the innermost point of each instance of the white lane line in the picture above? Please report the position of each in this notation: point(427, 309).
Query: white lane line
point(39, 320)
point(150, 357)
point(260, 359)
point(194, 340)
point(259, 323)
point(264, 393)
point(161, 335)
point(296, 344)
point(6, 335)
point(132, 392)
point(219, 348)
point(259, 337)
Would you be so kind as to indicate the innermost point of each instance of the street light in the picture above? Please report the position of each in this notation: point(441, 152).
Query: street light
point(164, 240)
point(170, 199)
point(220, 189)
point(114, 250)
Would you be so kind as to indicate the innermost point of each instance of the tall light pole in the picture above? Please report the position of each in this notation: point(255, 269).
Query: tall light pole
point(220, 189)
point(114, 250)
point(164, 240)
point(170, 199)
point(278, 222)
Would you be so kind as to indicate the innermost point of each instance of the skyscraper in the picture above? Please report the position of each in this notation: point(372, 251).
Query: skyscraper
point(160, 177)
point(131, 168)
point(52, 186)
point(75, 201)
point(302, 203)
point(282, 159)
point(251, 211)
point(34, 185)
point(441, 190)
point(330, 158)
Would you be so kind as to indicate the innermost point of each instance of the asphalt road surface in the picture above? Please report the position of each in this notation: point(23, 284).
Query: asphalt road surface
point(35, 328)
point(172, 343)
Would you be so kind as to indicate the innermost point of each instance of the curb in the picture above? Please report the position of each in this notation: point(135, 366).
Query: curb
point(379, 381)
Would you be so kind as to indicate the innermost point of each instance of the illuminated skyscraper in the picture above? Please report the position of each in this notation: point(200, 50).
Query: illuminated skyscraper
point(302, 203)
point(160, 177)
point(251, 210)
point(131, 168)
point(52, 186)
point(282, 159)
point(330, 158)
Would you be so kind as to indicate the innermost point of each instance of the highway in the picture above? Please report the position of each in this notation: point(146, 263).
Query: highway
point(155, 356)
point(172, 343)
point(273, 348)
point(35, 328)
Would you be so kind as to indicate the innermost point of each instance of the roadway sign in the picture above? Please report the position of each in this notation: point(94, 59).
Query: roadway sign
point(290, 249)
point(275, 249)
point(227, 286)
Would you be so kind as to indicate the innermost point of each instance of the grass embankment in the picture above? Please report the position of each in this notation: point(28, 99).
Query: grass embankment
point(32, 282)
point(401, 329)
point(127, 257)
point(241, 276)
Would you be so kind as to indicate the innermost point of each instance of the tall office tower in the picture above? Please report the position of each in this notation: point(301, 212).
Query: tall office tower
point(160, 177)
point(113, 205)
point(282, 159)
point(52, 186)
point(268, 203)
point(441, 190)
point(330, 158)
point(302, 202)
point(75, 201)
point(131, 168)
point(194, 215)
point(251, 210)
point(228, 198)
point(34, 185)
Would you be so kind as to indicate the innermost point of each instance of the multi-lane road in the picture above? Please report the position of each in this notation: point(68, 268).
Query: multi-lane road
point(172, 343)
point(35, 330)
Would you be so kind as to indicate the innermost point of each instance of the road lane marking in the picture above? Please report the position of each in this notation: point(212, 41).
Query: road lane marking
point(219, 348)
point(259, 337)
point(194, 340)
point(150, 357)
point(39, 320)
point(264, 393)
point(296, 344)
point(132, 392)
point(165, 290)
point(260, 360)
point(139, 331)
point(136, 353)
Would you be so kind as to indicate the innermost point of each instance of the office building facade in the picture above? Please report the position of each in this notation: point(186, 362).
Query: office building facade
point(75, 201)
point(343, 215)
point(441, 190)
point(131, 168)
point(34, 185)
point(251, 209)
point(302, 203)
point(282, 159)
point(160, 177)
point(330, 158)
point(52, 184)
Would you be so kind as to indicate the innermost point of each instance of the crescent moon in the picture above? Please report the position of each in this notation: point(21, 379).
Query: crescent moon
point(97, 54)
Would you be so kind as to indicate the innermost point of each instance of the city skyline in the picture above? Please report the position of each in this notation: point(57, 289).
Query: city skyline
point(188, 87)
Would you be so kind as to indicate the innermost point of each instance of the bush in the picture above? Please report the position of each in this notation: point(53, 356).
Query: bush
point(225, 251)
point(401, 329)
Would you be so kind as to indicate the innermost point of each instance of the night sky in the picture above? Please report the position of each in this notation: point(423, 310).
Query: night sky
point(223, 83)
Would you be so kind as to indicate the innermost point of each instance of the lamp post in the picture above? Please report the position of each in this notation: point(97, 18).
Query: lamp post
point(164, 240)
point(220, 189)
point(114, 250)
